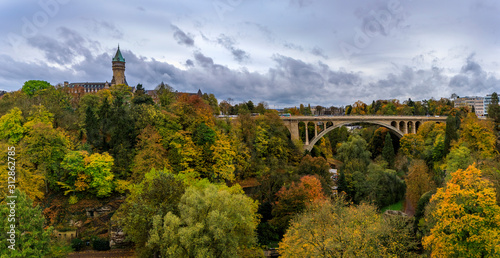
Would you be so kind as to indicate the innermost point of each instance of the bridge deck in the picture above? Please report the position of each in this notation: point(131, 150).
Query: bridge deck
point(364, 118)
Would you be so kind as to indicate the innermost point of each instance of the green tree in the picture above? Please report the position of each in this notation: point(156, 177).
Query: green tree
point(458, 158)
point(494, 108)
point(166, 95)
point(42, 151)
point(98, 166)
point(355, 158)
point(467, 218)
point(354, 154)
point(376, 141)
point(388, 150)
point(212, 102)
point(212, 222)
point(140, 97)
point(32, 86)
point(84, 172)
point(105, 124)
point(123, 136)
point(412, 146)
point(92, 127)
point(379, 186)
point(204, 135)
point(348, 109)
point(336, 136)
point(158, 194)
point(31, 240)
point(451, 133)
point(11, 126)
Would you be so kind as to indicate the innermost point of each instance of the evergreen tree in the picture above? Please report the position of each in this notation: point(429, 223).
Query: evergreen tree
point(493, 108)
point(139, 90)
point(140, 96)
point(451, 132)
point(348, 109)
point(342, 184)
point(165, 94)
point(122, 137)
point(91, 127)
point(104, 124)
point(388, 151)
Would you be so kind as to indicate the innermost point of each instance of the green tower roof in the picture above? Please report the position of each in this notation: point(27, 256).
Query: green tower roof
point(118, 57)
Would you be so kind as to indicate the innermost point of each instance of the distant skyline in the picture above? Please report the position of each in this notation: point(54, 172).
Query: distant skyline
point(283, 52)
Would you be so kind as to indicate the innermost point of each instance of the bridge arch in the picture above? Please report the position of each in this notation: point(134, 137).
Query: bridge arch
point(329, 129)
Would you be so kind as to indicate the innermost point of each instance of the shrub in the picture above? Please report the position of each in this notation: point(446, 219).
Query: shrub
point(100, 244)
point(77, 244)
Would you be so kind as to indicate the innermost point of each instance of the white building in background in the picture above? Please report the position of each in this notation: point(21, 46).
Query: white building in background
point(473, 102)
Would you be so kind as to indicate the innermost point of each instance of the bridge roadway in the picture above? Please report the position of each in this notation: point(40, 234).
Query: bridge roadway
point(400, 125)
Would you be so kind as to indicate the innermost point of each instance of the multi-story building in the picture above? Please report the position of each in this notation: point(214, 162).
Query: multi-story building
point(473, 102)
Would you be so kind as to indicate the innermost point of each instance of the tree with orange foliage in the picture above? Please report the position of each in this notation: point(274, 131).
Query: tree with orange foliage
point(295, 199)
point(466, 216)
point(192, 111)
point(359, 108)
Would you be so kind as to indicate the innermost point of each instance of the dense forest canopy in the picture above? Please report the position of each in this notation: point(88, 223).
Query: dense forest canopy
point(188, 183)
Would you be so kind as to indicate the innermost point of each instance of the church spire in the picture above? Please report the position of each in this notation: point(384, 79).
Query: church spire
point(118, 69)
point(118, 56)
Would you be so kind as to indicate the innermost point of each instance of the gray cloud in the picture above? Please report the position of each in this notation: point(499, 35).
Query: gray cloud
point(189, 63)
point(182, 38)
point(288, 82)
point(410, 82)
point(228, 43)
point(473, 80)
point(64, 51)
point(107, 29)
point(441, 34)
point(293, 46)
point(52, 49)
point(203, 60)
point(301, 3)
point(319, 52)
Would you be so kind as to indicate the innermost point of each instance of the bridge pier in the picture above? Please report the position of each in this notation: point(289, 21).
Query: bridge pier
point(307, 132)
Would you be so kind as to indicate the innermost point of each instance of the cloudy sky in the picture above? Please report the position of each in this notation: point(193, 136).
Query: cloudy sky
point(283, 52)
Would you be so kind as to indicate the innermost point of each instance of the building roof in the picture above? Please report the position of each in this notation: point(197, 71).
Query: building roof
point(87, 85)
point(118, 56)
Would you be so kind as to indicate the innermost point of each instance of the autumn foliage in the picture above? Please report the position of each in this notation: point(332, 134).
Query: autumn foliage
point(296, 198)
point(467, 218)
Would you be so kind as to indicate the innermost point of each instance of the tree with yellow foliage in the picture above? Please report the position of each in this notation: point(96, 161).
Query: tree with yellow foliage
point(335, 229)
point(478, 135)
point(466, 216)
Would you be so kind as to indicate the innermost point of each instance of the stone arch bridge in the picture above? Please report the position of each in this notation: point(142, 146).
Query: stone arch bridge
point(400, 125)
